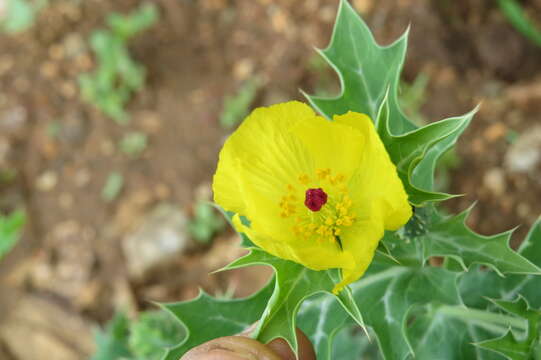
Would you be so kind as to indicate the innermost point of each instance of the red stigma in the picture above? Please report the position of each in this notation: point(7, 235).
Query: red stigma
point(315, 199)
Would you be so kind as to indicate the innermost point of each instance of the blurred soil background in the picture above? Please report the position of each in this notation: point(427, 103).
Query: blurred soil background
point(108, 225)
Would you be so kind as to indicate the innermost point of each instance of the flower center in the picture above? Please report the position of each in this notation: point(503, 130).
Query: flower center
point(321, 223)
point(315, 199)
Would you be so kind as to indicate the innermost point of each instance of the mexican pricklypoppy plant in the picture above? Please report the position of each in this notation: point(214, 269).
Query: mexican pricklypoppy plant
point(317, 192)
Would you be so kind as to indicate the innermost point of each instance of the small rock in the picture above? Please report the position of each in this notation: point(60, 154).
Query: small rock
point(160, 238)
point(494, 180)
point(150, 121)
point(83, 62)
point(47, 181)
point(74, 128)
point(65, 200)
point(107, 147)
point(13, 120)
point(162, 191)
point(363, 6)
point(243, 69)
point(22, 84)
point(6, 63)
point(68, 89)
point(524, 210)
point(3, 9)
point(49, 70)
point(56, 52)
point(495, 131)
point(74, 44)
point(82, 177)
point(525, 154)
point(54, 330)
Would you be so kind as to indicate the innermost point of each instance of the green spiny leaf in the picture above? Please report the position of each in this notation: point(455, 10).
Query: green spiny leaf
point(206, 318)
point(531, 246)
point(369, 76)
point(385, 296)
point(365, 70)
point(416, 152)
point(294, 284)
point(478, 284)
point(446, 333)
point(510, 345)
point(451, 237)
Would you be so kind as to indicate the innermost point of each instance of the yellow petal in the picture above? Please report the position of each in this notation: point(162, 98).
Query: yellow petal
point(377, 178)
point(225, 185)
point(314, 255)
point(332, 145)
point(260, 147)
point(361, 242)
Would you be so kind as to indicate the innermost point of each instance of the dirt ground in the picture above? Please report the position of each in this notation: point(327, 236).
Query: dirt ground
point(70, 263)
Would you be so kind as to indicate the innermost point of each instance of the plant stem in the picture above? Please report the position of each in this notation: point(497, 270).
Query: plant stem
point(489, 320)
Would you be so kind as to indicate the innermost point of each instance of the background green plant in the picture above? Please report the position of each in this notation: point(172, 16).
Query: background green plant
point(205, 222)
point(20, 15)
point(142, 339)
point(517, 16)
point(117, 75)
point(237, 106)
point(10, 230)
point(481, 303)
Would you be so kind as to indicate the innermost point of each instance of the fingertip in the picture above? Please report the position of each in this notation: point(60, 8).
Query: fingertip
point(282, 348)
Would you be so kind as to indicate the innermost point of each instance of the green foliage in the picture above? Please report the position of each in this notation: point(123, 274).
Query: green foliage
point(19, 15)
point(236, 107)
point(228, 317)
point(294, 283)
point(509, 344)
point(153, 332)
point(117, 76)
point(449, 161)
point(205, 223)
point(10, 230)
point(112, 343)
point(113, 186)
point(143, 339)
point(411, 308)
point(516, 16)
point(133, 143)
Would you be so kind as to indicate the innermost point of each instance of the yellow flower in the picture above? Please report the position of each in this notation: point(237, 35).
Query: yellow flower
point(317, 192)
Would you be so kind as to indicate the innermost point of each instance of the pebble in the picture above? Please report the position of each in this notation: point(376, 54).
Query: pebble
point(56, 52)
point(49, 70)
point(162, 191)
point(74, 45)
point(243, 69)
point(525, 154)
point(47, 181)
point(363, 6)
point(495, 132)
point(107, 147)
point(68, 89)
point(65, 200)
point(13, 120)
point(6, 63)
point(494, 180)
point(82, 177)
point(160, 238)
